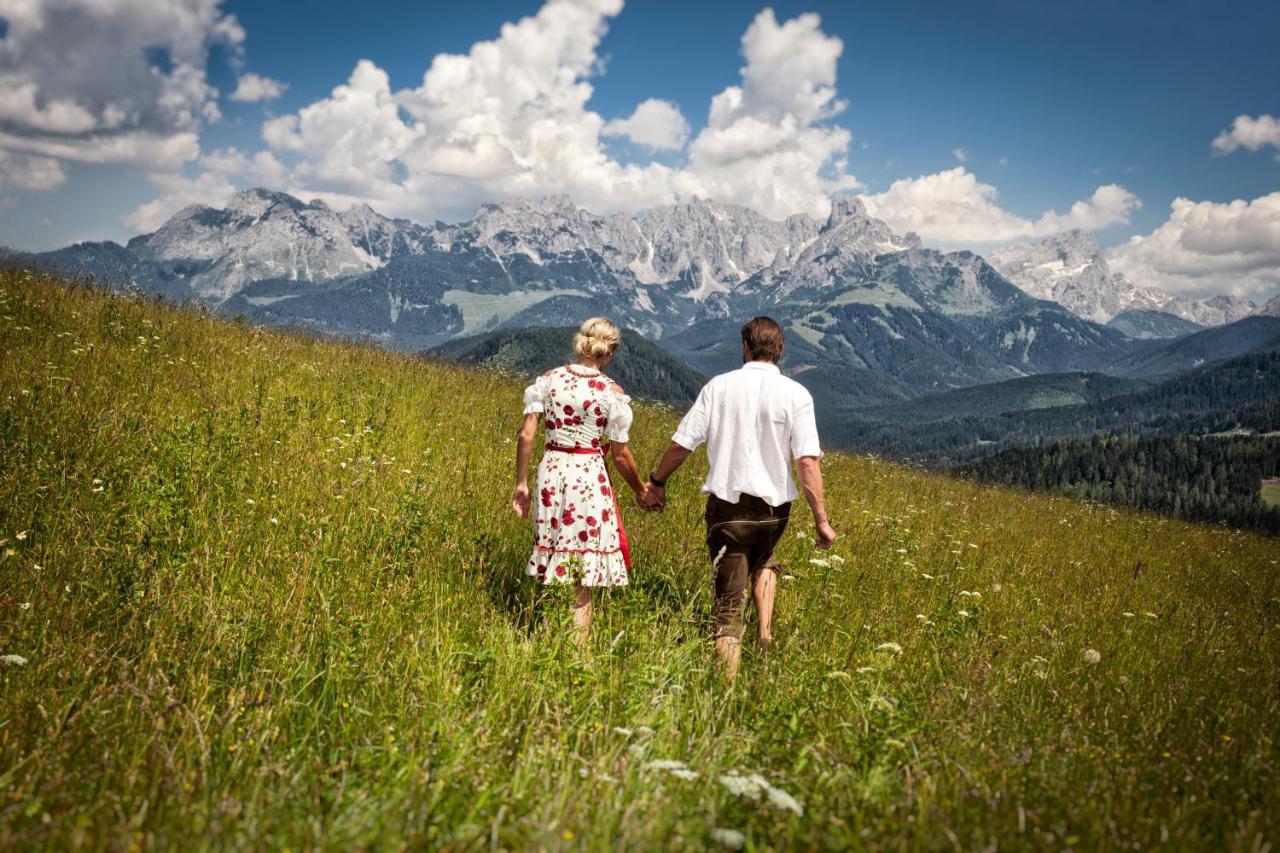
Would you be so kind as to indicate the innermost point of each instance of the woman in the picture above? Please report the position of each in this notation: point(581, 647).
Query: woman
point(578, 535)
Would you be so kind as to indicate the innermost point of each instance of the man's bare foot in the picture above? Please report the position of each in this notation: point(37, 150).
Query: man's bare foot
point(766, 646)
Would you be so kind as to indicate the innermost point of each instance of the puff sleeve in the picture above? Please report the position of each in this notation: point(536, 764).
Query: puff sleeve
point(535, 395)
point(619, 427)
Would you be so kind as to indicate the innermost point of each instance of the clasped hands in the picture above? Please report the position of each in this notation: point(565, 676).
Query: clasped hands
point(652, 498)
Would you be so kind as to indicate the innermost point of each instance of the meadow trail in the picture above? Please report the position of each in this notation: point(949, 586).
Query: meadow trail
point(257, 589)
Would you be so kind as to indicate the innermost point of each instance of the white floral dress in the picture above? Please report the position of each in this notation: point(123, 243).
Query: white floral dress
point(577, 532)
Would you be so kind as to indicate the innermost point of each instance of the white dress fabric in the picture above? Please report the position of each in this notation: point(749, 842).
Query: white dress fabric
point(576, 528)
point(755, 421)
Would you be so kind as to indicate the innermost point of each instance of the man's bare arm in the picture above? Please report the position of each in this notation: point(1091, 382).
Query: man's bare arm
point(809, 473)
point(672, 458)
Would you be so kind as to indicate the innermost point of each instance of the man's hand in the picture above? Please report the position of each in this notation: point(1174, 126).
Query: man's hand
point(654, 497)
point(826, 534)
point(520, 500)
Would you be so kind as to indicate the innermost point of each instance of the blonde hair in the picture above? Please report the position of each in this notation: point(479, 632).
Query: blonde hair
point(597, 338)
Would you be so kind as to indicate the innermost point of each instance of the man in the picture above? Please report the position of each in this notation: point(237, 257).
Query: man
point(755, 421)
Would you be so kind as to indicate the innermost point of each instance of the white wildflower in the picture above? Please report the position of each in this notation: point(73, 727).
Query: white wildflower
point(1127, 615)
point(21, 536)
point(730, 838)
point(889, 647)
point(274, 520)
point(643, 731)
point(836, 559)
point(964, 613)
point(926, 576)
point(819, 562)
point(863, 670)
point(838, 673)
point(1092, 656)
point(619, 730)
point(26, 605)
point(15, 660)
point(750, 787)
point(685, 774)
point(1150, 615)
point(995, 587)
point(782, 800)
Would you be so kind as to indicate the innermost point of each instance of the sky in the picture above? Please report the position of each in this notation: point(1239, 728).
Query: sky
point(1152, 125)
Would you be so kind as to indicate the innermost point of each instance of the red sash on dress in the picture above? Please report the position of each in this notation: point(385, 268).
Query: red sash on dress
point(588, 451)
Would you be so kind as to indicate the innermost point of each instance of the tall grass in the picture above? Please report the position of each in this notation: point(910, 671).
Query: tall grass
point(269, 590)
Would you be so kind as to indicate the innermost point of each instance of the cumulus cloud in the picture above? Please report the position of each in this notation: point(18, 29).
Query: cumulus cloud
point(1250, 133)
point(1205, 248)
point(654, 124)
point(118, 82)
point(510, 118)
point(953, 207)
point(254, 87)
point(26, 173)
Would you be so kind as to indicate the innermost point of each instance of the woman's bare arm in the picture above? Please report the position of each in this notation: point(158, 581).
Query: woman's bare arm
point(524, 447)
point(626, 465)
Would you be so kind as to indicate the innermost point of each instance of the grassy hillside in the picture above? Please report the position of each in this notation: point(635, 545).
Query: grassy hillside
point(643, 368)
point(268, 590)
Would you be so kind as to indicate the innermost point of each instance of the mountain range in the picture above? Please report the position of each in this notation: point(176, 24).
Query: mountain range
point(872, 316)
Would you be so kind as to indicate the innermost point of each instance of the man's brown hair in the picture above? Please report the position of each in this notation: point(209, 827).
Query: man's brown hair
point(763, 338)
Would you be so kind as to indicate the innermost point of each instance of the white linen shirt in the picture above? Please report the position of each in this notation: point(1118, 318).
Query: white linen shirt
point(754, 421)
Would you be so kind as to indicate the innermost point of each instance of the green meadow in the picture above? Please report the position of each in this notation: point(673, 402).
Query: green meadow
point(258, 590)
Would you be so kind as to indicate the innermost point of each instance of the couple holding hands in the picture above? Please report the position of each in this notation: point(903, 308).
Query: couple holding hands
point(755, 423)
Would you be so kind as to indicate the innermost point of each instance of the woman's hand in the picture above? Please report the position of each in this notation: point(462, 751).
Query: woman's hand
point(520, 500)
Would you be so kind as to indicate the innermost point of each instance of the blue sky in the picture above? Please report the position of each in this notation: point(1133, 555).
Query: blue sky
point(1045, 103)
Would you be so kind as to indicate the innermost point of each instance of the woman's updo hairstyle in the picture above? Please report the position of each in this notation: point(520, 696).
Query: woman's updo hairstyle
point(597, 338)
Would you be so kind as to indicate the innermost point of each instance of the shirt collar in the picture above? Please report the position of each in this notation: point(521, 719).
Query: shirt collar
point(761, 365)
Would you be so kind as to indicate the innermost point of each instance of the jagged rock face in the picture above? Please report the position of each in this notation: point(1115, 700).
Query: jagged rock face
point(1270, 309)
point(259, 235)
point(1069, 269)
point(848, 238)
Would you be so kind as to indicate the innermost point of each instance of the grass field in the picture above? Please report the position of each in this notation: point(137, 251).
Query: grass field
point(1271, 492)
point(268, 591)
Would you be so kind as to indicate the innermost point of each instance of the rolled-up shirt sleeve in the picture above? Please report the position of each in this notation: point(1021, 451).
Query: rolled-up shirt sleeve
point(804, 430)
point(693, 426)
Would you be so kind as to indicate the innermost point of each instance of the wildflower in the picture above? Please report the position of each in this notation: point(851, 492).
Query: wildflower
point(250, 502)
point(15, 660)
point(26, 605)
point(922, 617)
point(964, 613)
point(863, 670)
point(926, 576)
point(644, 731)
point(21, 536)
point(275, 520)
point(619, 730)
point(1092, 656)
point(837, 559)
point(995, 587)
point(782, 800)
point(889, 647)
point(750, 787)
point(819, 562)
point(1127, 615)
point(838, 673)
point(1150, 615)
point(730, 838)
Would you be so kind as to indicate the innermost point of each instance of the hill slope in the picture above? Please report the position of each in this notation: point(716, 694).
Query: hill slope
point(643, 368)
point(269, 589)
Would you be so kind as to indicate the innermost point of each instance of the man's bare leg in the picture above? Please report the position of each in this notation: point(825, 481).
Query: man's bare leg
point(729, 650)
point(582, 611)
point(764, 590)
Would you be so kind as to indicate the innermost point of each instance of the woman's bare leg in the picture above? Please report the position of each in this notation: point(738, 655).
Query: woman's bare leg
point(582, 611)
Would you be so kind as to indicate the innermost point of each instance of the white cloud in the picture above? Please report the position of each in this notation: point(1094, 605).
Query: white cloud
point(107, 81)
point(26, 173)
point(1251, 133)
point(654, 124)
point(1205, 248)
point(953, 207)
point(959, 154)
point(509, 118)
point(765, 144)
point(254, 87)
